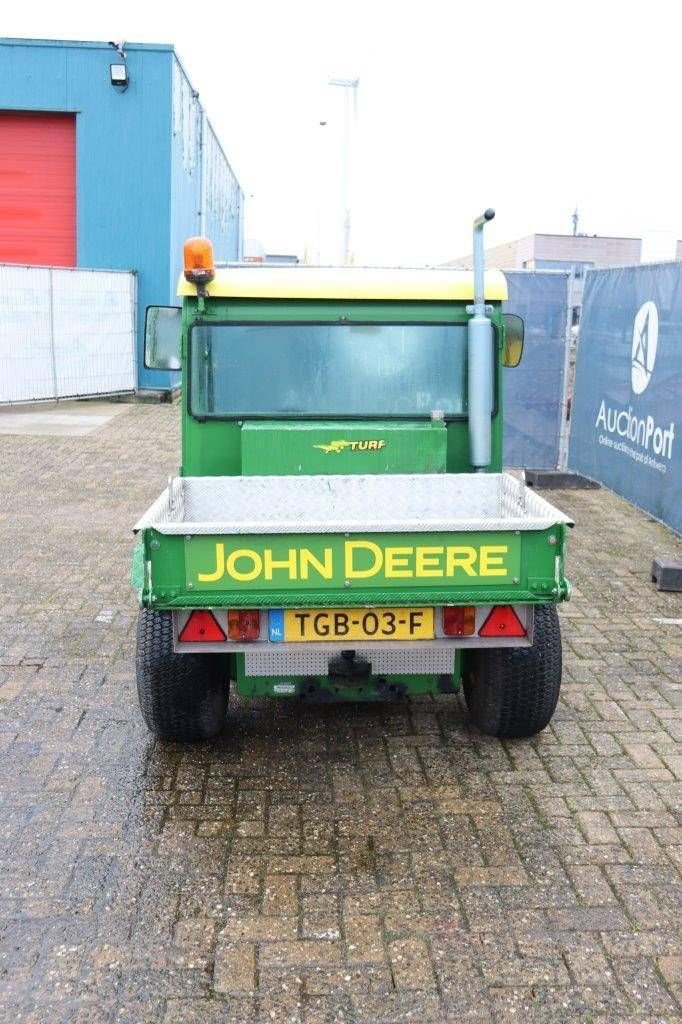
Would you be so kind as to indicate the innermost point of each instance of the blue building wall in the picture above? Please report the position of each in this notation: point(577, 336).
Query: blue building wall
point(207, 195)
point(184, 171)
point(139, 167)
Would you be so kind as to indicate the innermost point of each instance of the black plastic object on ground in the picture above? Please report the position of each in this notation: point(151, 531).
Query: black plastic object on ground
point(666, 573)
point(559, 480)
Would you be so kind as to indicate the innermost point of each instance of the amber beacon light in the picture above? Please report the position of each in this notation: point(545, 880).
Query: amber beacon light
point(199, 265)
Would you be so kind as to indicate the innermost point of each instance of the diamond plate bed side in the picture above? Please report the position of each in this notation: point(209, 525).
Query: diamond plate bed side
point(397, 503)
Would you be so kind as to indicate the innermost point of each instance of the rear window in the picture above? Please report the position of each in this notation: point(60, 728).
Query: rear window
point(330, 370)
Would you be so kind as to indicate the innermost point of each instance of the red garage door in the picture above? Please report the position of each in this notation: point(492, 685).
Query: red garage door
point(38, 188)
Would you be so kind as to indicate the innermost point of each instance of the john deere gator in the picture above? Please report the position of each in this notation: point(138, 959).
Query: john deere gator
point(340, 527)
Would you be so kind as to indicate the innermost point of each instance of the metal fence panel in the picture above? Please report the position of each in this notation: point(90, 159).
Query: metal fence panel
point(625, 420)
point(66, 333)
point(94, 332)
point(26, 369)
point(535, 391)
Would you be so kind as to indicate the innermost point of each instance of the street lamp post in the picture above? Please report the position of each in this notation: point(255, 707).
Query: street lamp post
point(350, 87)
point(320, 177)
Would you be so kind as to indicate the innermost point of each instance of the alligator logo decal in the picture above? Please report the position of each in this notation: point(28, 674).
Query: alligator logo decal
point(333, 446)
point(355, 446)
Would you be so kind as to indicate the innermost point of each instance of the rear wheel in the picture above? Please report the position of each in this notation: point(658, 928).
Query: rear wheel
point(182, 696)
point(513, 691)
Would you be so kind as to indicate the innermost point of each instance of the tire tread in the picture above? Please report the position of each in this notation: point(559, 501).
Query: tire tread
point(513, 691)
point(182, 696)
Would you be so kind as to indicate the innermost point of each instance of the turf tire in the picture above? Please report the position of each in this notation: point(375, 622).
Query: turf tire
point(183, 697)
point(513, 691)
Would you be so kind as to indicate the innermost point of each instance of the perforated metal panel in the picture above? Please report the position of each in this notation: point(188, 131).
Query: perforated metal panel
point(311, 663)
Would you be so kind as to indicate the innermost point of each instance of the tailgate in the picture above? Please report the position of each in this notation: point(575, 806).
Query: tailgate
point(348, 541)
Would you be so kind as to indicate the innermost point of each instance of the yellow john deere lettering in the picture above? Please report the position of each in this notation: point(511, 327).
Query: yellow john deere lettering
point(374, 445)
point(358, 560)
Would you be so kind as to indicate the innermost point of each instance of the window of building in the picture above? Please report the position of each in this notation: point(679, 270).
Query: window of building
point(580, 268)
point(575, 267)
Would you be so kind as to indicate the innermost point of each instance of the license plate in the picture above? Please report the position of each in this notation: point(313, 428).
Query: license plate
point(350, 624)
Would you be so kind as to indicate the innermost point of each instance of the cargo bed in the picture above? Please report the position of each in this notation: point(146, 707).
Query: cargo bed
point(276, 541)
point(338, 504)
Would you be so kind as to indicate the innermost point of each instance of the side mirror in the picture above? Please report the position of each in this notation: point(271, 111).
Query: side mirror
point(513, 339)
point(162, 337)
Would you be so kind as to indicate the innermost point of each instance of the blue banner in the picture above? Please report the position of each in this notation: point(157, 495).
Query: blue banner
point(534, 396)
point(625, 418)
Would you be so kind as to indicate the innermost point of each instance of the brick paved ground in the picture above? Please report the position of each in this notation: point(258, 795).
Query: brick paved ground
point(358, 864)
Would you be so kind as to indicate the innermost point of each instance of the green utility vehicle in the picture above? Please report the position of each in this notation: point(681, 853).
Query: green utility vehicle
point(340, 528)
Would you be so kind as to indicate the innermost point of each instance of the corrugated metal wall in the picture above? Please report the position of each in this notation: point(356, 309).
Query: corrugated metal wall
point(222, 199)
point(38, 188)
point(207, 198)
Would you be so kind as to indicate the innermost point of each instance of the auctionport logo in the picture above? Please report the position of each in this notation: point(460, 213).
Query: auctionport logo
point(644, 346)
point(640, 438)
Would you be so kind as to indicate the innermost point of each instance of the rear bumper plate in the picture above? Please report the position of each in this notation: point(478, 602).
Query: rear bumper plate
point(265, 644)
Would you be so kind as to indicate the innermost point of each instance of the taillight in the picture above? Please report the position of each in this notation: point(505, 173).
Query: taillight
point(201, 627)
point(459, 620)
point(243, 625)
point(502, 621)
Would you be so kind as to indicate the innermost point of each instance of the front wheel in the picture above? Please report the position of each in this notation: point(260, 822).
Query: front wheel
point(182, 696)
point(513, 691)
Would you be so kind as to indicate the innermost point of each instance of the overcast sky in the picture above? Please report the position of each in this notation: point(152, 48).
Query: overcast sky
point(530, 107)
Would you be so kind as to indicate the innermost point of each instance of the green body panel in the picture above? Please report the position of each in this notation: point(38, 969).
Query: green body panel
point(283, 447)
point(387, 561)
point(531, 562)
point(215, 447)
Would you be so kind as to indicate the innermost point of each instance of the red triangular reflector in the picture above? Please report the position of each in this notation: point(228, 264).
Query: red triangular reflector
point(502, 621)
point(201, 627)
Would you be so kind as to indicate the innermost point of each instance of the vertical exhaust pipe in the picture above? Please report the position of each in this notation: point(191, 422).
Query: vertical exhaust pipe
point(480, 360)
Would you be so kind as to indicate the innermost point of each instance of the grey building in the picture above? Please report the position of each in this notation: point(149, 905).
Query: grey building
point(255, 253)
point(575, 253)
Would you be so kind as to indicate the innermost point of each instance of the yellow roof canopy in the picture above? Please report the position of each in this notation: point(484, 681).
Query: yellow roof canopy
point(304, 282)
